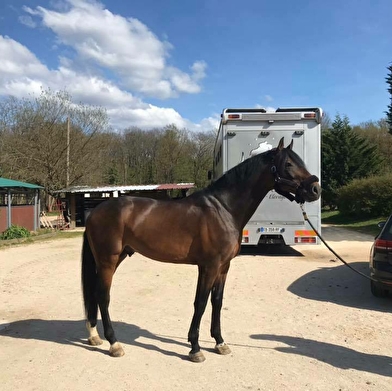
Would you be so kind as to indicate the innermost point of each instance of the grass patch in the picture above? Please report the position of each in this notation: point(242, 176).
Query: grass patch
point(366, 226)
point(41, 236)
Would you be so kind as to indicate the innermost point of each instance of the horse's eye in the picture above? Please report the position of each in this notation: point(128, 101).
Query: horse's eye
point(288, 164)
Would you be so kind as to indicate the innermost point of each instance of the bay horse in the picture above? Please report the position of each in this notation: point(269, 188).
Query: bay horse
point(203, 229)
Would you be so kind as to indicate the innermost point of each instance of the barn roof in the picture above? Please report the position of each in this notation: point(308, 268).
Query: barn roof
point(108, 189)
point(10, 183)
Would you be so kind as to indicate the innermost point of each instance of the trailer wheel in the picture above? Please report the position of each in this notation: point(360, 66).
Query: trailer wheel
point(378, 290)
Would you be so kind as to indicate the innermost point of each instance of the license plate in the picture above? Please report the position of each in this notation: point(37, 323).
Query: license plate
point(271, 229)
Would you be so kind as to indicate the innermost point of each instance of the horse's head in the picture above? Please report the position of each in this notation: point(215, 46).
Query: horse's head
point(292, 179)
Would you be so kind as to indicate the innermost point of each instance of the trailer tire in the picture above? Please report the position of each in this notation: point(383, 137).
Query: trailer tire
point(378, 290)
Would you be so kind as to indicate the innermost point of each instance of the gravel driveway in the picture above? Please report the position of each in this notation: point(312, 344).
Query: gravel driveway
point(294, 319)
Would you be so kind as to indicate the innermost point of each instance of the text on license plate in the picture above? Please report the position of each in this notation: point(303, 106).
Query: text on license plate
point(271, 229)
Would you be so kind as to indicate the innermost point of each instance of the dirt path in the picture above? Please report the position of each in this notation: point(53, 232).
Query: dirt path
point(294, 321)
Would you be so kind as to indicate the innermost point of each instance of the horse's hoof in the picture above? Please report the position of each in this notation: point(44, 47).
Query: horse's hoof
point(197, 357)
point(116, 350)
point(95, 340)
point(222, 348)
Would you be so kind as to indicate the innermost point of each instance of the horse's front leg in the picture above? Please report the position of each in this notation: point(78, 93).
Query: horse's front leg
point(216, 300)
point(204, 284)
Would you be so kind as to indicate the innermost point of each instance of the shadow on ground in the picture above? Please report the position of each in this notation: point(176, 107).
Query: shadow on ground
point(270, 250)
point(342, 286)
point(60, 331)
point(335, 355)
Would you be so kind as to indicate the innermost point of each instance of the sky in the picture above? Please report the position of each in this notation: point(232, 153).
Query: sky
point(151, 63)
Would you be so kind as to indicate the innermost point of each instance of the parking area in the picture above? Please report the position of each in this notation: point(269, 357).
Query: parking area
point(295, 319)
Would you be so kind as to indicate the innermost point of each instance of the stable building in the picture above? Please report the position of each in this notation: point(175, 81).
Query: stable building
point(78, 201)
point(19, 204)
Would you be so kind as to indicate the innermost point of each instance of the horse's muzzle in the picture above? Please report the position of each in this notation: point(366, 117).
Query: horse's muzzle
point(309, 190)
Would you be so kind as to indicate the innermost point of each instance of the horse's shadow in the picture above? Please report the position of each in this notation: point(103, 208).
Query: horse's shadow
point(59, 331)
point(335, 355)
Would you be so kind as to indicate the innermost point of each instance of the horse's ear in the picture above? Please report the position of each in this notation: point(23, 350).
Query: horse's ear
point(281, 144)
point(291, 144)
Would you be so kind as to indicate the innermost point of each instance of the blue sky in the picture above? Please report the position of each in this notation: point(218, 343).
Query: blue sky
point(151, 63)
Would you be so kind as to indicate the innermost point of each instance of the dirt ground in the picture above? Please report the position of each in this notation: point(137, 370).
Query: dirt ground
point(295, 320)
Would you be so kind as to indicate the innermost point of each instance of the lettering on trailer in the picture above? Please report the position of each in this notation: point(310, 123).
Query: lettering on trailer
point(275, 196)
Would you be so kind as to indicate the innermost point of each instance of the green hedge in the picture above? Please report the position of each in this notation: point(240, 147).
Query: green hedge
point(15, 232)
point(366, 197)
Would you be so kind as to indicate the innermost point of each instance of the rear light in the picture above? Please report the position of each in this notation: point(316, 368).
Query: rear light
point(245, 236)
point(310, 115)
point(381, 244)
point(233, 116)
point(305, 239)
point(304, 232)
point(305, 236)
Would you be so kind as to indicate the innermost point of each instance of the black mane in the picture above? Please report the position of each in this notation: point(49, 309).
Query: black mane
point(243, 171)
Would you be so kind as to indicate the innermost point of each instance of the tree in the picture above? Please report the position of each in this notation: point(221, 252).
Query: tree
point(172, 163)
point(389, 112)
point(201, 156)
point(376, 132)
point(345, 156)
point(34, 145)
point(326, 121)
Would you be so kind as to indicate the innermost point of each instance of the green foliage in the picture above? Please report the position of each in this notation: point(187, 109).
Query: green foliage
point(376, 132)
point(15, 232)
point(346, 155)
point(366, 197)
point(361, 224)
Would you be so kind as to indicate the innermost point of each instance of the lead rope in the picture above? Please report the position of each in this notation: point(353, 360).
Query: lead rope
point(337, 255)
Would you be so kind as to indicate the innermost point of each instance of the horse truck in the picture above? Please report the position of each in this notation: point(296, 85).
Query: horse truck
point(245, 132)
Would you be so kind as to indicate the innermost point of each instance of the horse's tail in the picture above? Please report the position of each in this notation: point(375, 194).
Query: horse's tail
point(89, 274)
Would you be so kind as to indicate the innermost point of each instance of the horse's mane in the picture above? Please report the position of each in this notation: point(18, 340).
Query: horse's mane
point(243, 171)
point(240, 173)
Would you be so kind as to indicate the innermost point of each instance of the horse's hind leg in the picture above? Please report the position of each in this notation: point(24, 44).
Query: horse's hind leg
point(105, 277)
point(91, 324)
point(216, 300)
point(89, 284)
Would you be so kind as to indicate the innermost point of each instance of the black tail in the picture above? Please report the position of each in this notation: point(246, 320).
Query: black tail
point(89, 276)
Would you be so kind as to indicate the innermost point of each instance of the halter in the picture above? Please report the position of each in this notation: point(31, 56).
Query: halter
point(297, 188)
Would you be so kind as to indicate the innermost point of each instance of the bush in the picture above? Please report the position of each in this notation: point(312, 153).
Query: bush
point(15, 232)
point(366, 197)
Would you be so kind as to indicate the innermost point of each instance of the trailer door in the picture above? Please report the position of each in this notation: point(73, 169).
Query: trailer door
point(275, 211)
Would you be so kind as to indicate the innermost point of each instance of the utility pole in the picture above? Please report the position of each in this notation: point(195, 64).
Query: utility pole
point(68, 132)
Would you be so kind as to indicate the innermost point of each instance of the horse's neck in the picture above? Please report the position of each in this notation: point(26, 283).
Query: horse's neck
point(243, 199)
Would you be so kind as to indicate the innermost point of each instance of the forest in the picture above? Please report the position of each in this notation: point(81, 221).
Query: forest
point(53, 142)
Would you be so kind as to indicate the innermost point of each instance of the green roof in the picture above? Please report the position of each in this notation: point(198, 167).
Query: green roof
point(10, 183)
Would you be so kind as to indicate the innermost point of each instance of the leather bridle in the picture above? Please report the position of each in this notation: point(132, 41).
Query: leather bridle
point(297, 188)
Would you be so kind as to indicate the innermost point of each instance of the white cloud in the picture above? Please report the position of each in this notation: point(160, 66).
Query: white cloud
point(146, 117)
point(105, 60)
point(22, 74)
point(268, 108)
point(17, 60)
point(125, 46)
point(27, 21)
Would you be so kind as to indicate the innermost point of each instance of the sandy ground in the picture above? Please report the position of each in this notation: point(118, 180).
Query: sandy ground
point(294, 321)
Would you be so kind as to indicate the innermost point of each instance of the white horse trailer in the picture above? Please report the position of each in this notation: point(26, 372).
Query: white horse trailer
point(244, 132)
